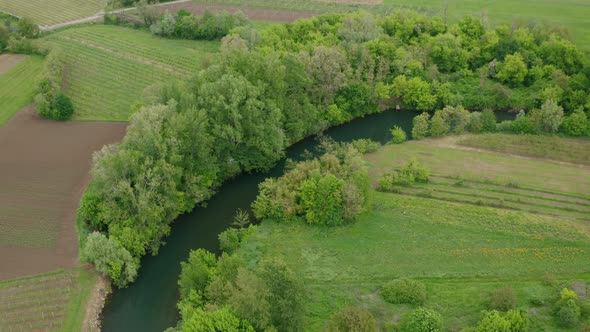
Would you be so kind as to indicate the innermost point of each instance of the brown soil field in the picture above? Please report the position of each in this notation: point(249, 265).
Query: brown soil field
point(44, 169)
point(257, 14)
point(7, 61)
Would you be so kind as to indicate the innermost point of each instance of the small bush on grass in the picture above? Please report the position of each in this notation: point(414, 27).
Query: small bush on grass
point(365, 145)
point(421, 126)
point(423, 320)
point(503, 299)
point(567, 310)
point(353, 319)
point(399, 135)
point(404, 291)
point(512, 321)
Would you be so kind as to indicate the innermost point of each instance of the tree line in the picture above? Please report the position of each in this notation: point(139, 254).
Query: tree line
point(271, 88)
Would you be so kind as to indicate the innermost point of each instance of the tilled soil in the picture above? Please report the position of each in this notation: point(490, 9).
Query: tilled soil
point(44, 169)
point(257, 14)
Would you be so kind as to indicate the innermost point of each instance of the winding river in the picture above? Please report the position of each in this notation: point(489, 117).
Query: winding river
point(149, 304)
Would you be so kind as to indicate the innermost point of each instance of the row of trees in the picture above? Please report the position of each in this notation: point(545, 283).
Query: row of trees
point(16, 35)
point(271, 88)
point(208, 26)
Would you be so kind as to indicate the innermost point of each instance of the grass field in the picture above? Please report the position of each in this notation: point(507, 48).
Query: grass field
point(496, 179)
point(461, 252)
point(442, 234)
point(47, 12)
point(48, 302)
point(571, 14)
point(17, 87)
point(108, 67)
point(563, 149)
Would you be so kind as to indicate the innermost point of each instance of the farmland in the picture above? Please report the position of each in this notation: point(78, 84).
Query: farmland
point(108, 67)
point(459, 248)
point(17, 84)
point(43, 172)
point(53, 301)
point(45, 12)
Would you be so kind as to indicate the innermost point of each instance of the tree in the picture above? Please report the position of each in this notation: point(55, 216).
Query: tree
point(353, 319)
point(488, 121)
point(61, 107)
point(110, 259)
point(576, 124)
point(359, 27)
point(423, 320)
point(552, 116)
point(249, 298)
point(4, 35)
point(562, 53)
point(329, 71)
point(27, 29)
point(438, 125)
point(420, 128)
point(446, 52)
point(222, 320)
point(321, 199)
point(197, 272)
point(513, 70)
point(398, 134)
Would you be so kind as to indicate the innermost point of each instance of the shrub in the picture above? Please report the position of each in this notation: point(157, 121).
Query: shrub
point(503, 299)
point(61, 107)
point(386, 182)
point(415, 172)
point(523, 124)
point(475, 125)
point(321, 199)
point(576, 124)
point(404, 291)
point(504, 126)
point(110, 259)
point(423, 320)
point(229, 240)
point(552, 116)
point(27, 28)
point(512, 321)
point(353, 319)
point(488, 121)
point(399, 135)
point(420, 126)
point(365, 145)
point(568, 315)
point(438, 125)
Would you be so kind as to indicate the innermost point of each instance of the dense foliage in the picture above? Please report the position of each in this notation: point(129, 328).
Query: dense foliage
point(274, 87)
point(223, 295)
point(50, 102)
point(352, 319)
point(17, 34)
point(423, 320)
point(404, 291)
point(208, 26)
point(329, 190)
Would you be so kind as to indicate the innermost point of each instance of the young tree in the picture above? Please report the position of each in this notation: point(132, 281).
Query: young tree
point(423, 320)
point(513, 70)
point(398, 134)
point(576, 124)
point(110, 258)
point(420, 127)
point(552, 116)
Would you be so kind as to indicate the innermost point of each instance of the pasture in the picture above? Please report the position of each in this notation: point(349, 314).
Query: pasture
point(44, 170)
point(460, 252)
point(571, 14)
point(17, 83)
point(108, 67)
point(48, 12)
point(49, 302)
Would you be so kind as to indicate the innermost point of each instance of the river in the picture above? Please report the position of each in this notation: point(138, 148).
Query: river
point(149, 304)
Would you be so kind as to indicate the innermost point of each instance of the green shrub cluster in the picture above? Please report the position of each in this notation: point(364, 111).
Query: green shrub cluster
point(404, 291)
point(567, 309)
point(352, 319)
point(365, 145)
point(511, 321)
point(223, 295)
point(422, 320)
point(411, 173)
point(398, 134)
point(503, 299)
point(329, 190)
point(50, 102)
point(208, 26)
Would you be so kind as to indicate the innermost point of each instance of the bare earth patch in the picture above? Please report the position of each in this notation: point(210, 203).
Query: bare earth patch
point(257, 14)
point(44, 169)
point(8, 61)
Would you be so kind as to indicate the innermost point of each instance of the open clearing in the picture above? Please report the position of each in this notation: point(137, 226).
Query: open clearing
point(436, 233)
point(53, 301)
point(47, 12)
point(44, 168)
point(108, 67)
point(467, 251)
point(17, 83)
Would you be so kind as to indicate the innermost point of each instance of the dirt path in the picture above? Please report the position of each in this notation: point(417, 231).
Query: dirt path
point(8, 61)
point(44, 169)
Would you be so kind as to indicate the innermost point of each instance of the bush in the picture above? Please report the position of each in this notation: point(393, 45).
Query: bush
point(488, 121)
point(504, 126)
point(404, 291)
point(576, 124)
point(523, 124)
point(423, 320)
point(399, 135)
point(353, 319)
point(438, 125)
point(415, 171)
point(61, 107)
point(420, 126)
point(568, 315)
point(365, 145)
point(512, 321)
point(503, 299)
point(110, 259)
point(229, 240)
